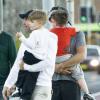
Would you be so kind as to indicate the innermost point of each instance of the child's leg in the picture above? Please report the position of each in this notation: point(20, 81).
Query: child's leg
point(83, 85)
point(79, 76)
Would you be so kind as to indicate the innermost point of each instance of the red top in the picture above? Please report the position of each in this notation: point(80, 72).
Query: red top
point(64, 36)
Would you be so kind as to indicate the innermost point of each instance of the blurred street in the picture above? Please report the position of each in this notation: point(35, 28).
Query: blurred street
point(93, 81)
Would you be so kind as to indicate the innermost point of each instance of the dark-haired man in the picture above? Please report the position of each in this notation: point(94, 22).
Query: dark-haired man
point(68, 43)
point(45, 67)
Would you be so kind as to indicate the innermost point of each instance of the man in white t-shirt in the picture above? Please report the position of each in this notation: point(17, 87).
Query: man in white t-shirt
point(46, 68)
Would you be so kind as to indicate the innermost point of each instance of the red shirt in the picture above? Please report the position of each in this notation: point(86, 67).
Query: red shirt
point(64, 38)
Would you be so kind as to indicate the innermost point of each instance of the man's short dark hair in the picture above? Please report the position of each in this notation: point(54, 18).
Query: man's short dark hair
point(59, 8)
point(59, 14)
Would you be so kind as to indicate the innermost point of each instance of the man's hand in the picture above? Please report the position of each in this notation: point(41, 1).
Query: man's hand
point(59, 68)
point(18, 34)
point(6, 93)
point(67, 70)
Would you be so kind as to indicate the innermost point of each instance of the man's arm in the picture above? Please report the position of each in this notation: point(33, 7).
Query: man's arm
point(28, 42)
point(78, 57)
point(12, 77)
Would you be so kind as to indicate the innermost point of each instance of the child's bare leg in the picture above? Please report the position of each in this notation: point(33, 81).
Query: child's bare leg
point(83, 85)
point(84, 88)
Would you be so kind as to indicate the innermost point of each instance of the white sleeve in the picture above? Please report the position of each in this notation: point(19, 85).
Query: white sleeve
point(12, 77)
point(28, 42)
point(49, 61)
point(37, 67)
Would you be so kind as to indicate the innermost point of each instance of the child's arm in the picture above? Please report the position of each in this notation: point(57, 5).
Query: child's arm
point(21, 65)
point(28, 42)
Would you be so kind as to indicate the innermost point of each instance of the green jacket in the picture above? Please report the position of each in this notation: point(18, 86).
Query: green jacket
point(7, 55)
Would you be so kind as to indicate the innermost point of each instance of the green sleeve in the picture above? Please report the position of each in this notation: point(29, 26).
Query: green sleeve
point(11, 51)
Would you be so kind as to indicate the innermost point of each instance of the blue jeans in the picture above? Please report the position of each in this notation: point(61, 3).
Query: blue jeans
point(1, 87)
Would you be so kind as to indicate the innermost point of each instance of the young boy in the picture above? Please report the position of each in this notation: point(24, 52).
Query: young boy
point(37, 45)
point(59, 18)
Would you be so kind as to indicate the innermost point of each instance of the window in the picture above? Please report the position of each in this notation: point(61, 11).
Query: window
point(92, 52)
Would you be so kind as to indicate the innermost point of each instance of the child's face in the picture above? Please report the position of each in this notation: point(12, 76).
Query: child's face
point(35, 24)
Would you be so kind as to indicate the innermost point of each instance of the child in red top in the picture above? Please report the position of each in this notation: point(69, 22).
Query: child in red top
point(64, 36)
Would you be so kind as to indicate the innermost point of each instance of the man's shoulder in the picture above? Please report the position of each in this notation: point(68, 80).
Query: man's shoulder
point(80, 34)
point(6, 34)
point(79, 37)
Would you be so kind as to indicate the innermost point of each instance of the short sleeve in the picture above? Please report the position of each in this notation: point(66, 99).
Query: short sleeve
point(77, 41)
point(80, 39)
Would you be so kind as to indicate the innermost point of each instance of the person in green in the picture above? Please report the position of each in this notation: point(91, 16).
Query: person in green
point(7, 57)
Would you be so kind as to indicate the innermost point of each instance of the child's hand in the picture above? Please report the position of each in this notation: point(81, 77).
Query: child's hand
point(12, 89)
point(18, 34)
point(21, 65)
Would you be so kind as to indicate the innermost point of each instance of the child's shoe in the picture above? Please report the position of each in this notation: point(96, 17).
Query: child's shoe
point(88, 97)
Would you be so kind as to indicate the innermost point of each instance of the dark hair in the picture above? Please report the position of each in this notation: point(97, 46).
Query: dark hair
point(59, 8)
point(59, 14)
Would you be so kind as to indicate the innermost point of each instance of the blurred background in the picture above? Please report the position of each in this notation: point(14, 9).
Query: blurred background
point(84, 14)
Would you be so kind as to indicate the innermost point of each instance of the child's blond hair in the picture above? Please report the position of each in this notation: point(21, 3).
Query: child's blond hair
point(38, 15)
